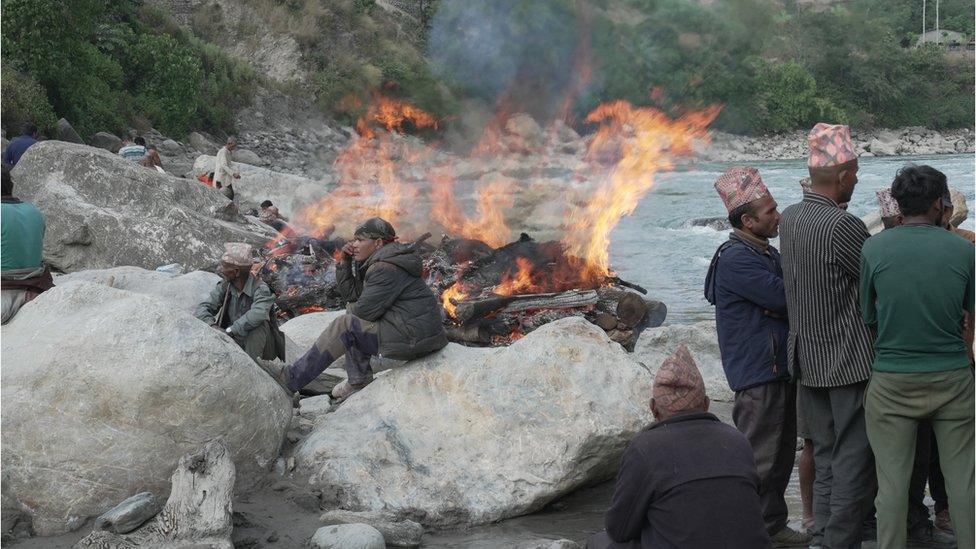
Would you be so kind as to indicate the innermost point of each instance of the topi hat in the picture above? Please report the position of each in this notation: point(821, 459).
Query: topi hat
point(887, 203)
point(376, 227)
point(740, 185)
point(237, 253)
point(678, 385)
point(830, 145)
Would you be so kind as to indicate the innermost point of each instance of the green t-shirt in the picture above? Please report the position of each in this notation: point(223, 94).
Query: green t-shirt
point(916, 280)
point(22, 235)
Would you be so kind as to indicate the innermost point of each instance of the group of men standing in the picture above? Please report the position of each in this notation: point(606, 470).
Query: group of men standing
point(868, 340)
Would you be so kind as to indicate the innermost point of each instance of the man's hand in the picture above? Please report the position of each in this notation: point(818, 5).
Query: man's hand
point(349, 249)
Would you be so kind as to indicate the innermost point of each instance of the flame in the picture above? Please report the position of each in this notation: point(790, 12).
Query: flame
point(310, 309)
point(489, 226)
point(519, 282)
point(455, 293)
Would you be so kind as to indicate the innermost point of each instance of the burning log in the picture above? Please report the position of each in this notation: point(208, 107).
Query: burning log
point(476, 308)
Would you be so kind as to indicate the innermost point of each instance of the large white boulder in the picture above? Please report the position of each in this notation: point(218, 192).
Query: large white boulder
point(103, 390)
point(181, 292)
point(305, 329)
point(656, 344)
point(102, 211)
point(469, 436)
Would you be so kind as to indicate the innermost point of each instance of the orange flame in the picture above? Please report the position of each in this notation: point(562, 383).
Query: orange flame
point(519, 282)
point(488, 226)
point(455, 293)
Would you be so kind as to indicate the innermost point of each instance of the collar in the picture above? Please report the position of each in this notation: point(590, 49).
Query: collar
point(249, 287)
point(762, 244)
point(813, 197)
point(682, 417)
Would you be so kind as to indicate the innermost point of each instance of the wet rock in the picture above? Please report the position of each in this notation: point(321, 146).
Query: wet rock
point(130, 514)
point(348, 536)
point(397, 532)
point(147, 384)
point(102, 211)
point(67, 133)
point(181, 292)
point(656, 344)
point(715, 223)
point(107, 141)
point(501, 432)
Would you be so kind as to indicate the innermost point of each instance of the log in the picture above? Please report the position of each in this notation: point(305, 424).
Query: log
point(476, 308)
point(631, 309)
point(197, 513)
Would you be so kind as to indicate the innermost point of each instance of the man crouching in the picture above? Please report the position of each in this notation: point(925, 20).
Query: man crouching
point(390, 312)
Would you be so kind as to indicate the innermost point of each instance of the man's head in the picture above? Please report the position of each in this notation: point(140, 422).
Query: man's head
point(832, 162)
point(678, 387)
point(373, 234)
point(140, 141)
point(266, 204)
point(890, 214)
point(231, 143)
point(30, 129)
point(751, 208)
point(921, 191)
point(8, 183)
point(236, 261)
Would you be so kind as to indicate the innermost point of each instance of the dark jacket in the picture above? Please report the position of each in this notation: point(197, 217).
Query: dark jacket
point(688, 481)
point(387, 289)
point(745, 283)
point(16, 148)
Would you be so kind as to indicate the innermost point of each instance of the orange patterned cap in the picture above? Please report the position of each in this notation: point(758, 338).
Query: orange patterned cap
point(678, 385)
point(830, 145)
point(740, 185)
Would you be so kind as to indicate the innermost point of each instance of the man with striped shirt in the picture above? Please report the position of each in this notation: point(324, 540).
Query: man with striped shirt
point(829, 347)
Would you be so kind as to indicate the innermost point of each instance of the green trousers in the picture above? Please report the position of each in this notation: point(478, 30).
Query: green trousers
point(894, 405)
point(258, 343)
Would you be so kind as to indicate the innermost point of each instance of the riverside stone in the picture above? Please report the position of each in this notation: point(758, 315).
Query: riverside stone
point(67, 133)
point(147, 384)
point(501, 432)
point(102, 211)
point(397, 532)
point(181, 292)
point(107, 141)
point(656, 344)
point(348, 536)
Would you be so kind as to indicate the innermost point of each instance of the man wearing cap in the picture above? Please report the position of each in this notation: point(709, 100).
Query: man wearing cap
point(745, 284)
point(390, 312)
point(829, 347)
point(688, 480)
point(916, 286)
point(240, 305)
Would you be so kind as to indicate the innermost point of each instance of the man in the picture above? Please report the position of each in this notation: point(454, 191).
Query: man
point(804, 466)
point(19, 145)
point(240, 305)
point(152, 160)
point(745, 284)
point(224, 170)
point(890, 214)
point(23, 274)
point(954, 215)
point(916, 285)
point(133, 151)
point(390, 312)
point(688, 480)
point(270, 215)
point(829, 348)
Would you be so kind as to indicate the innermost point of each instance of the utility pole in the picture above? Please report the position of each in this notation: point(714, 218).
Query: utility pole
point(938, 37)
point(923, 22)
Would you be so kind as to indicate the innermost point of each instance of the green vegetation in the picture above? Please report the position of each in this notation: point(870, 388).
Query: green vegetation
point(104, 64)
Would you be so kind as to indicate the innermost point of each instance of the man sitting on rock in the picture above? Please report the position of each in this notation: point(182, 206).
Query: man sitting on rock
point(240, 305)
point(269, 215)
point(224, 172)
point(24, 275)
point(133, 150)
point(745, 284)
point(688, 480)
point(390, 312)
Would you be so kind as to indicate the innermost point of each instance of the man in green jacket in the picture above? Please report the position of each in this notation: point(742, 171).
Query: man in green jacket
point(390, 312)
point(23, 274)
point(240, 305)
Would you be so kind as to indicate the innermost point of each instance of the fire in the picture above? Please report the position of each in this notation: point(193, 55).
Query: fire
point(455, 293)
point(310, 309)
point(519, 282)
point(488, 226)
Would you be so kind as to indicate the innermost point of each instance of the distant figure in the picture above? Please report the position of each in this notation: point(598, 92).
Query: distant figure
point(745, 284)
point(241, 305)
point(151, 159)
point(688, 480)
point(916, 293)
point(133, 150)
point(23, 274)
point(224, 169)
point(20, 144)
point(270, 215)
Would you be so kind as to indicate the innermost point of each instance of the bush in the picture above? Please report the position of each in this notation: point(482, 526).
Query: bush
point(787, 99)
point(24, 101)
point(166, 82)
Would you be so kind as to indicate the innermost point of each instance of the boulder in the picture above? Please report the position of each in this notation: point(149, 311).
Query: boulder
point(245, 156)
point(201, 143)
point(170, 147)
point(290, 193)
point(107, 141)
point(348, 536)
point(396, 531)
point(103, 211)
point(305, 329)
point(103, 390)
point(656, 344)
point(472, 435)
point(180, 292)
point(883, 147)
point(68, 133)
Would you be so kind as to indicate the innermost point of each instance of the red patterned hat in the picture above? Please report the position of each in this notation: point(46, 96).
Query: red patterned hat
point(830, 145)
point(678, 385)
point(740, 185)
point(887, 203)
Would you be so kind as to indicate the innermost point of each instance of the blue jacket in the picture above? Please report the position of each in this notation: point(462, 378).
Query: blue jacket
point(745, 284)
point(16, 148)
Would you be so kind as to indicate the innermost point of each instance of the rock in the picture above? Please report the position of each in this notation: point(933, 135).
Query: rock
point(396, 532)
point(245, 156)
point(107, 141)
point(501, 432)
point(524, 132)
point(656, 344)
point(548, 544)
point(181, 292)
point(348, 536)
point(290, 193)
point(170, 147)
point(129, 515)
point(147, 384)
point(315, 407)
point(873, 222)
point(201, 143)
point(68, 133)
point(715, 223)
point(102, 211)
point(305, 329)
point(886, 147)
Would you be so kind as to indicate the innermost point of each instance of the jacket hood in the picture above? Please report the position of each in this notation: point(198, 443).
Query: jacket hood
point(397, 254)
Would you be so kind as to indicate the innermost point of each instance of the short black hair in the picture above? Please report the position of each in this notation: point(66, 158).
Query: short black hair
point(266, 204)
point(735, 216)
point(8, 183)
point(140, 141)
point(915, 188)
point(29, 128)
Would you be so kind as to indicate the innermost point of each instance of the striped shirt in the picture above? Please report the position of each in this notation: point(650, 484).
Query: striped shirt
point(133, 152)
point(829, 345)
